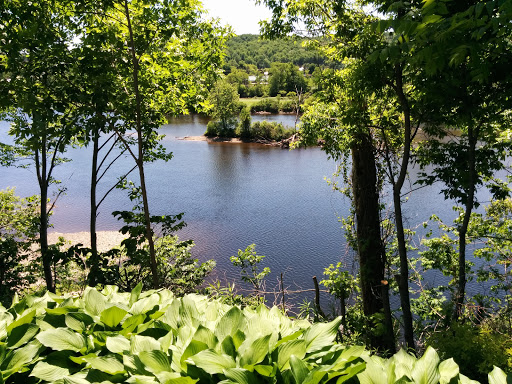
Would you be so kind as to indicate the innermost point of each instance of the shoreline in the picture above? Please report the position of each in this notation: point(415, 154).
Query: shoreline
point(106, 239)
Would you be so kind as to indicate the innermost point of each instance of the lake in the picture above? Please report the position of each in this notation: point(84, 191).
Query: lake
point(232, 195)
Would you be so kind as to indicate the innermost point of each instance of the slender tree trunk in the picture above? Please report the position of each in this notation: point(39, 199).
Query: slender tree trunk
point(93, 273)
point(370, 247)
point(397, 202)
point(140, 160)
point(469, 204)
point(41, 166)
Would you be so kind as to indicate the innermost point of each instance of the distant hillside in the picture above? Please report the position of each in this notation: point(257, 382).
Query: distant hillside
point(246, 50)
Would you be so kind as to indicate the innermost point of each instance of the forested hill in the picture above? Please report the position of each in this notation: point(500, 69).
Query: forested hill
point(250, 49)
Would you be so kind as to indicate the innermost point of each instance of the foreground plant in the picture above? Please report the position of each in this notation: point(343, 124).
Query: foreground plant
point(153, 337)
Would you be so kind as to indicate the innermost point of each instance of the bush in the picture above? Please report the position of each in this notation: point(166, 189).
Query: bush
point(476, 349)
point(266, 105)
point(154, 337)
point(270, 131)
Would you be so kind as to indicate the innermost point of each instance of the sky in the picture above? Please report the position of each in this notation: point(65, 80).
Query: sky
point(242, 15)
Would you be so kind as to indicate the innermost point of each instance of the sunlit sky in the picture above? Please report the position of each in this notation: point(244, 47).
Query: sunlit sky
point(242, 15)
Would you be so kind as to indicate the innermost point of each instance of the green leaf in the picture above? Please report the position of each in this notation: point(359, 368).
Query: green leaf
point(94, 301)
point(16, 359)
point(211, 362)
point(47, 372)
point(155, 361)
point(425, 370)
point(78, 321)
point(229, 323)
point(299, 369)
point(497, 376)
point(265, 370)
point(117, 344)
point(112, 316)
point(448, 369)
point(241, 376)
point(252, 353)
point(321, 335)
point(193, 348)
point(62, 339)
point(21, 335)
point(286, 350)
point(135, 293)
point(143, 343)
point(108, 364)
point(25, 319)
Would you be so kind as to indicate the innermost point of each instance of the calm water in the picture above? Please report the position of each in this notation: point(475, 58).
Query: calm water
point(232, 195)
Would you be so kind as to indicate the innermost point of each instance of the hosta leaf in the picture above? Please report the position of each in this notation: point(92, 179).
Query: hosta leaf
point(133, 322)
point(22, 335)
point(78, 321)
point(139, 379)
point(94, 301)
point(265, 370)
point(135, 293)
point(252, 353)
point(112, 316)
point(229, 323)
point(25, 319)
point(314, 377)
point(174, 378)
point(211, 362)
point(425, 370)
point(241, 376)
point(193, 348)
point(374, 373)
point(118, 344)
point(62, 339)
point(497, 376)
point(448, 369)
point(206, 336)
point(320, 335)
point(286, 350)
point(47, 372)
point(299, 369)
point(17, 358)
point(108, 364)
point(143, 343)
point(404, 364)
point(155, 361)
point(76, 379)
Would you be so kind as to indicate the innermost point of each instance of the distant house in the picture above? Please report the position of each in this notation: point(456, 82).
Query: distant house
point(263, 79)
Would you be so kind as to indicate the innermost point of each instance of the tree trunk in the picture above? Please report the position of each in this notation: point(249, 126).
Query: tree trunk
point(370, 247)
point(140, 144)
point(93, 273)
point(397, 202)
point(41, 168)
point(469, 203)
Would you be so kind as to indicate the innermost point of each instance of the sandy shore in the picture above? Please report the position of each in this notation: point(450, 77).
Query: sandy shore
point(106, 239)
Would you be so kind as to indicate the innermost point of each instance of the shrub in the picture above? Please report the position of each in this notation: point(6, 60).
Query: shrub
point(266, 105)
point(154, 337)
point(270, 131)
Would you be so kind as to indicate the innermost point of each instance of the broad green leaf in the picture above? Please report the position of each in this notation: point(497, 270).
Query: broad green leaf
point(265, 370)
point(94, 301)
point(16, 359)
point(25, 319)
point(22, 335)
point(426, 370)
point(254, 352)
point(241, 376)
point(139, 379)
point(320, 335)
point(155, 361)
point(299, 369)
point(108, 364)
point(497, 376)
point(229, 323)
point(112, 316)
point(314, 377)
point(193, 348)
point(174, 378)
point(143, 343)
point(132, 322)
point(47, 372)
point(448, 369)
point(286, 350)
point(62, 339)
point(211, 362)
point(404, 363)
point(78, 321)
point(135, 293)
point(206, 336)
point(118, 344)
point(78, 378)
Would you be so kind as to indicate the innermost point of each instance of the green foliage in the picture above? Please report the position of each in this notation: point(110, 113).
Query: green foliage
point(248, 261)
point(153, 337)
point(266, 105)
point(19, 224)
point(286, 78)
point(269, 130)
point(476, 349)
point(244, 126)
point(245, 50)
point(224, 99)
